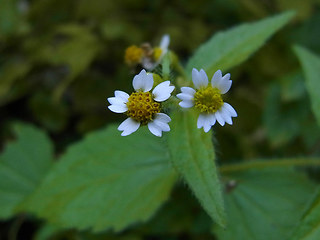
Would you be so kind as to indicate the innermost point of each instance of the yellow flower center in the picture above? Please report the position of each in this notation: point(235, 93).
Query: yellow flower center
point(208, 100)
point(133, 55)
point(157, 53)
point(141, 107)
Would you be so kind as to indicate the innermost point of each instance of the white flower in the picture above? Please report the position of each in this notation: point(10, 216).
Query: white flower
point(207, 99)
point(143, 107)
point(158, 53)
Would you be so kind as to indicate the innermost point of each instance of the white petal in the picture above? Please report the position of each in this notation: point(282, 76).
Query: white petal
point(224, 86)
point(205, 121)
point(206, 127)
point(186, 104)
point(120, 94)
point(164, 44)
point(128, 126)
point(162, 117)
point(226, 77)
point(216, 78)
point(199, 79)
point(143, 81)
point(204, 78)
point(230, 109)
point(159, 124)
point(188, 90)
point(118, 108)
point(155, 129)
point(200, 121)
point(116, 101)
point(185, 96)
point(162, 91)
point(162, 125)
point(212, 119)
point(225, 115)
point(219, 118)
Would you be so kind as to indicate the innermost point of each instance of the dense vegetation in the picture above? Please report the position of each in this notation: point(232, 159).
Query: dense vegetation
point(65, 171)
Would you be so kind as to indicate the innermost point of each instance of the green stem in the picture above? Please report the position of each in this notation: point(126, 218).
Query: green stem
point(237, 167)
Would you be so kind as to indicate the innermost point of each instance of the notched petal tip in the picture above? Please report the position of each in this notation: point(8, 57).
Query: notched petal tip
point(154, 129)
point(118, 108)
point(142, 81)
point(186, 104)
point(128, 126)
point(184, 96)
point(224, 86)
point(162, 91)
point(230, 109)
point(199, 79)
point(216, 78)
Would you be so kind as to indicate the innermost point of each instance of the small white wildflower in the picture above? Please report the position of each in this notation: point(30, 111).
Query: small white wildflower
point(143, 107)
point(207, 99)
point(158, 53)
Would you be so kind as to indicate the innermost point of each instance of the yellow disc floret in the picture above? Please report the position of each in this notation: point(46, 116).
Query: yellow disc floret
point(133, 55)
point(141, 107)
point(208, 100)
point(157, 53)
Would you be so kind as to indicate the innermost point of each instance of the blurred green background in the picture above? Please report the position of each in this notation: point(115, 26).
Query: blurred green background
point(60, 60)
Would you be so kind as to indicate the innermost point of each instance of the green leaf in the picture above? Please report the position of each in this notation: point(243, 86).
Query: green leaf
point(193, 157)
point(311, 66)
point(11, 71)
point(106, 181)
point(23, 164)
point(229, 48)
point(264, 204)
point(309, 229)
point(283, 120)
point(46, 232)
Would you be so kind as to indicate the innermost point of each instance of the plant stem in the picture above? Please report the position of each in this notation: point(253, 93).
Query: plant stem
point(237, 167)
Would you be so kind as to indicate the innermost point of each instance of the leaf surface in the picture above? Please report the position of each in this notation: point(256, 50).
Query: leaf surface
point(309, 229)
point(264, 204)
point(229, 48)
point(311, 66)
point(106, 181)
point(193, 157)
point(23, 165)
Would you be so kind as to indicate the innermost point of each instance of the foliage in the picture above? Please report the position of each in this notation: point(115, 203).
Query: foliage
point(23, 165)
point(274, 196)
point(311, 65)
point(194, 160)
point(68, 174)
point(99, 182)
point(227, 49)
point(309, 228)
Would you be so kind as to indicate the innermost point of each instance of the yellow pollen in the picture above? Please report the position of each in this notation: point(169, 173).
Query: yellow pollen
point(208, 100)
point(133, 55)
point(157, 53)
point(141, 107)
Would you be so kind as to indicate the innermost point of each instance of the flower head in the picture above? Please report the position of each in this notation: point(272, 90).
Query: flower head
point(159, 52)
point(143, 107)
point(133, 55)
point(146, 55)
point(207, 99)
